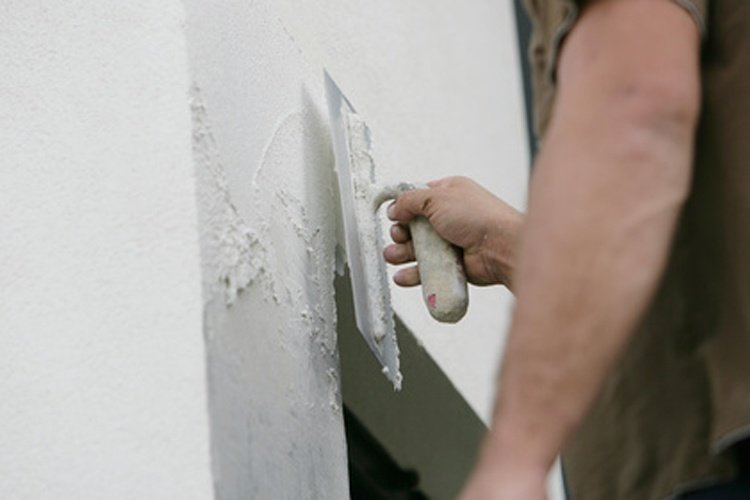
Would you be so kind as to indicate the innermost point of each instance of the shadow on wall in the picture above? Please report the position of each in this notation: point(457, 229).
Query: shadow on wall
point(373, 474)
point(427, 427)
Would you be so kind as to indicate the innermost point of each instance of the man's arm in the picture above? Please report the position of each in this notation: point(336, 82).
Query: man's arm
point(607, 189)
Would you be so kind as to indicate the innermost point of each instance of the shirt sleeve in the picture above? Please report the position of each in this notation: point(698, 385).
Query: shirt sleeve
point(698, 10)
point(552, 20)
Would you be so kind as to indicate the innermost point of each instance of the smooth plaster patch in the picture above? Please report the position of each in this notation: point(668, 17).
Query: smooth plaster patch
point(268, 243)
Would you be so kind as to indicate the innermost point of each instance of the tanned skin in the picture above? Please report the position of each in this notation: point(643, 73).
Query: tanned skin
point(607, 189)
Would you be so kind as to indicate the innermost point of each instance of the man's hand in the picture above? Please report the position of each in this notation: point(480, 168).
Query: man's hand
point(465, 214)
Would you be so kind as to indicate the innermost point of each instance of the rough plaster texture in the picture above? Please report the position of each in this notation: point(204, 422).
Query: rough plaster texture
point(102, 371)
point(267, 204)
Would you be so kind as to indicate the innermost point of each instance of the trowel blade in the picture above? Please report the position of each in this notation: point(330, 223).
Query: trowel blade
point(367, 270)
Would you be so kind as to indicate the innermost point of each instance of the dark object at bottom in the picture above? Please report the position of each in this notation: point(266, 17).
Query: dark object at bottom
point(733, 491)
point(373, 474)
point(739, 489)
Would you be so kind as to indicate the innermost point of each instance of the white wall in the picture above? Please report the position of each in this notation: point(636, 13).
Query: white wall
point(102, 371)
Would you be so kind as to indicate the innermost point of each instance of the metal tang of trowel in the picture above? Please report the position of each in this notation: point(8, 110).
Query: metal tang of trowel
point(443, 280)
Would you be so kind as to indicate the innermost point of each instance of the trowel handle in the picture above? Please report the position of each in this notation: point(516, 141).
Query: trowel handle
point(440, 269)
point(441, 272)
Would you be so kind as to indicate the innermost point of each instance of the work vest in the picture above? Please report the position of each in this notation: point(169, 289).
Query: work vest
point(668, 414)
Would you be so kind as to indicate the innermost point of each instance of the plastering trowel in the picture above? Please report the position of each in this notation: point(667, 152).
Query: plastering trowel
point(441, 273)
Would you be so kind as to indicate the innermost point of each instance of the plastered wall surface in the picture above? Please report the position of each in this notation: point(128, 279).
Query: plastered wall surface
point(267, 205)
point(440, 90)
point(102, 366)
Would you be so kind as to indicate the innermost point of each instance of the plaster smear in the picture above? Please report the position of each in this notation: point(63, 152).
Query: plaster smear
point(232, 249)
point(241, 252)
point(268, 250)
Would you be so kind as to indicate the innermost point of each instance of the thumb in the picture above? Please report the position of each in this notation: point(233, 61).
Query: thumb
point(411, 204)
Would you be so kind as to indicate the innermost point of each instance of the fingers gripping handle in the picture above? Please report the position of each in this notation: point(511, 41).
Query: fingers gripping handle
point(440, 270)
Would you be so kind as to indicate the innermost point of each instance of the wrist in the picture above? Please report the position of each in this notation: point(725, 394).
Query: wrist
point(515, 456)
point(499, 249)
point(504, 484)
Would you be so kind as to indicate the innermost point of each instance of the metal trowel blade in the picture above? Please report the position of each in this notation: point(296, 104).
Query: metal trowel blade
point(372, 303)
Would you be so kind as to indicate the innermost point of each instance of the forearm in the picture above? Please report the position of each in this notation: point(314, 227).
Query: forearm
point(605, 198)
point(591, 260)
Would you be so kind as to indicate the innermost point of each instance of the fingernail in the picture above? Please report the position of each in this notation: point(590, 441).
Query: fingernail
point(392, 210)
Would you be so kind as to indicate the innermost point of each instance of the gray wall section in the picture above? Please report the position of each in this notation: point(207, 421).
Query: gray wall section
point(427, 426)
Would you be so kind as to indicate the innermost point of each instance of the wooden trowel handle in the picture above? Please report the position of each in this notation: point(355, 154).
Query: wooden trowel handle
point(441, 272)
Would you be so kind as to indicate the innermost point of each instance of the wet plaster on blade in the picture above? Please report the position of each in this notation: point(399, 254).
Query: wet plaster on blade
point(370, 235)
point(274, 262)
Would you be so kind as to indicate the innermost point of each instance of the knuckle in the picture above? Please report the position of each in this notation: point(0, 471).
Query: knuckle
point(405, 200)
point(449, 181)
point(462, 180)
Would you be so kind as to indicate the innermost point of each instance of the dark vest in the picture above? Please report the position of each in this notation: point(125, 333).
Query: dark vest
point(679, 399)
